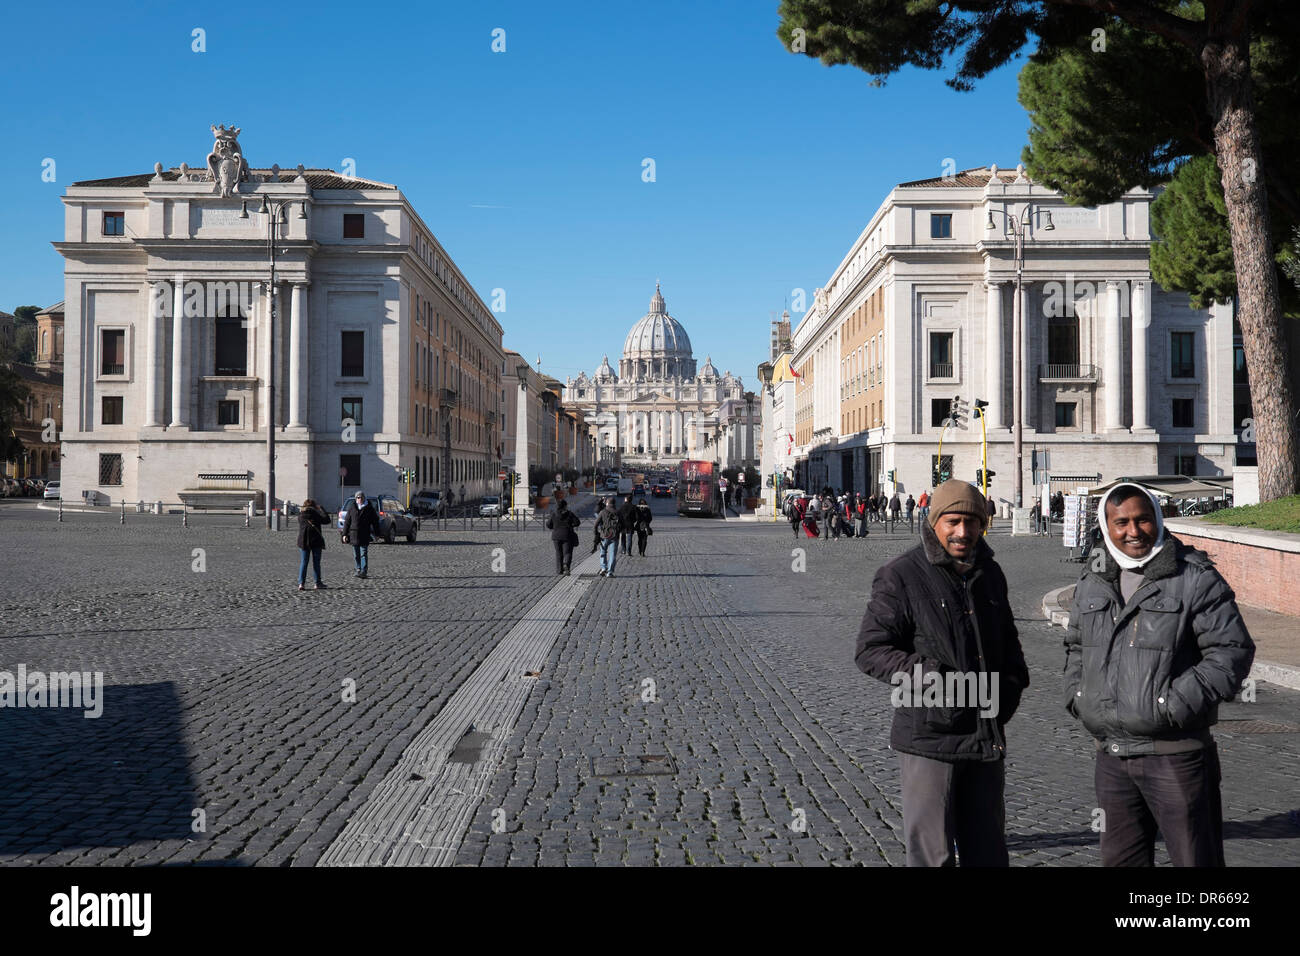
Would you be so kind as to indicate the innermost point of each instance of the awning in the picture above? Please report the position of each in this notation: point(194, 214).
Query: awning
point(1170, 486)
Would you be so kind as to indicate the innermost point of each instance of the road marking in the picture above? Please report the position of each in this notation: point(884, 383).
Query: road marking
point(419, 813)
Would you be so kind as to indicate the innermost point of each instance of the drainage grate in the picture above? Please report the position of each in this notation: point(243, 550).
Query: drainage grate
point(1257, 727)
point(633, 765)
point(469, 749)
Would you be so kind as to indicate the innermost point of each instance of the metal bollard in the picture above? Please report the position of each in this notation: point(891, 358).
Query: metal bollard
point(185, 515)
point(122, 520)
point(60, 506)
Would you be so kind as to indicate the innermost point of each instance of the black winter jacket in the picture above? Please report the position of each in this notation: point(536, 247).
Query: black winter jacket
point(360, 525)
point(1147, 677)
point(562, 524)
point(922, 611)
point(309, 525)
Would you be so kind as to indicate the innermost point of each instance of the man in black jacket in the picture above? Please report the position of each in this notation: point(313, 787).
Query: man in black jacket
point(1155, 642)
point(562, 521)
point(360, 525)
point(939, 629)
point(627, 525)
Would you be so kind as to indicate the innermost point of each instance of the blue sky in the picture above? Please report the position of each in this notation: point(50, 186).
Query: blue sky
point(526, 164)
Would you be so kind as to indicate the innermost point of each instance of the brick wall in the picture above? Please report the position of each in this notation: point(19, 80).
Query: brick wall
point(1260, 576)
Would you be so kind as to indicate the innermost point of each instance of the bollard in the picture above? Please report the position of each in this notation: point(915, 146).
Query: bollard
point(60, 506)
point(122, 520)
point(185, 515)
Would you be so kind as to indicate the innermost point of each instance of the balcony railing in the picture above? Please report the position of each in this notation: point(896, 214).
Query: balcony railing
point(1074, 373)
point(941, 370)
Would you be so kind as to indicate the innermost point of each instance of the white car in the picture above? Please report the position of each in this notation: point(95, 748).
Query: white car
point(52, 491)
point(490, 507)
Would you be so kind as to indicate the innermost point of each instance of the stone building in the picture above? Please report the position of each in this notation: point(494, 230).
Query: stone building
point(384, 356)
point(1119, 376)
point(658, 408)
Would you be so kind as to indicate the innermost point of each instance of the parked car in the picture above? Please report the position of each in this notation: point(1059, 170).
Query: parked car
point(660, 491)
point(428, 503)
point(32, 487)
point(490, 507)
point(394, 519)
point(51, 492)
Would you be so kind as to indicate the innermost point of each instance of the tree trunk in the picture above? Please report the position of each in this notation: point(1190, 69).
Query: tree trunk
point(1226, 60)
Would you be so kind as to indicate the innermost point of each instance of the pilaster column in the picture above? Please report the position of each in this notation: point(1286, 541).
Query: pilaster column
point(1141, 298)
point(994, 359)
point(297, 343)
point(1114, 367)
point(153, 381)
point(268, 413)
point(180, 349)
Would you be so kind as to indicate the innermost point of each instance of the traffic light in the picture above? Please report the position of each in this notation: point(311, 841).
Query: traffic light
point(979, 476)
point(988, 476)
point(980, 405)
point(892, 472)
point(934, 477)
point(957, 412)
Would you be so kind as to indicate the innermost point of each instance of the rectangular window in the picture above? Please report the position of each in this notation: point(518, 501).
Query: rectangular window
point(1184, 413)
point(354, 355)
point(1182, 363)
point(1185, 465)
point(1239, 365)
point(114, 224)
point(941, 355)
point(228, 412)
point(352, 410)
point(939, 411)
point(111, 406)
point(1065, 414)
point(940, 225)
point(112, 352)
point(354, 225)
point(110, 469)
point(350, 470)
point(231, 347)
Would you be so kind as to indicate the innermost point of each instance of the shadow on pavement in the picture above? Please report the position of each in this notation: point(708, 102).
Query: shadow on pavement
point(67, 781)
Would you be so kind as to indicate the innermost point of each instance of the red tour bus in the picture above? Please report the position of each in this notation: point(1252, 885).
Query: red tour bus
point(697, 489)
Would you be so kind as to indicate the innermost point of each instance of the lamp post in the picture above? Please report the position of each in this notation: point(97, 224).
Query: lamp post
point(446, 402)
point(275, 215)
point(1019, 226)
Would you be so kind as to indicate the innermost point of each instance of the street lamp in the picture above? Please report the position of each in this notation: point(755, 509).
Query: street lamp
point(446, 402)
point(1019, 225)
point(275, 215)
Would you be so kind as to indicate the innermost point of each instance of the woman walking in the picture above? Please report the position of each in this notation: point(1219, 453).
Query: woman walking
point(643, 518)
point(310, 541)
point(562, 523)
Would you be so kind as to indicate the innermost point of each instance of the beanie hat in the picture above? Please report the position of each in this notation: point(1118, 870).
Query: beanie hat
point(960, 497)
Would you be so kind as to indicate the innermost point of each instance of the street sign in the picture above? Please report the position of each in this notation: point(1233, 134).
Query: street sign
point(343, 472)
point(501, 475)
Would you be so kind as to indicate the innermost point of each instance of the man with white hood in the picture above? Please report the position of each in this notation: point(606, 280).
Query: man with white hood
point(1155, 643)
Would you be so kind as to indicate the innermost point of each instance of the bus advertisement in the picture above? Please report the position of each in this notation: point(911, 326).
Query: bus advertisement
point(697, 489)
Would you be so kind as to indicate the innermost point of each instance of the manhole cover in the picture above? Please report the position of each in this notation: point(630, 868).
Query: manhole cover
point(633, 765)
point(1258, 727)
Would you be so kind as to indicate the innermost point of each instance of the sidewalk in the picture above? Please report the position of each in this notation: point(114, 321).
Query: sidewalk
point(1276, 636)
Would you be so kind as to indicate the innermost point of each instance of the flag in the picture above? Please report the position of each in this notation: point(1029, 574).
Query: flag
point(794, 373)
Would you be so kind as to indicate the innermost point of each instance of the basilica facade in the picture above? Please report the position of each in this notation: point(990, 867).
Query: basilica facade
point(657, 409)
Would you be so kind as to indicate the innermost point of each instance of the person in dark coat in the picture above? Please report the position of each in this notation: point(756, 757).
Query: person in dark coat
point(939, 628)
point(627, 526)
point(644, 516)
point(862, 509)
point(895, 506)
point(608, 527)
point(1155, 643)
point(311, 542)
point(360, 525)
point(910, 504)
point(562, 523)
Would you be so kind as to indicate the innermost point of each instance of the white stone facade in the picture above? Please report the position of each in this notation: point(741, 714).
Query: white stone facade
point(167, 316)
point(1106, 353)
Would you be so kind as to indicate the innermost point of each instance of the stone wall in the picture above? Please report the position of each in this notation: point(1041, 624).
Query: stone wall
point(1263, 567)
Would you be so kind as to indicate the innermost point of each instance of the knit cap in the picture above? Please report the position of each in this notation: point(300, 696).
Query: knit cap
point(957, 496)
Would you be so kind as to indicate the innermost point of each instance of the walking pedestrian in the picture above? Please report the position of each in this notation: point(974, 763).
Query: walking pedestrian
point(863, 530)
point(811, 514)
point(992, 510)
point(608, 526)
point(360, 526)
point(562, 522)
point(627, 528)
point(910, 504)
point(895, 506)
point(939, 615)
point(1150, 700)
point(794, 511)
point(923, 505)
point(644, 517)
point(871, 506)
point(311, 542)
point(827, 513)
point(601, 505)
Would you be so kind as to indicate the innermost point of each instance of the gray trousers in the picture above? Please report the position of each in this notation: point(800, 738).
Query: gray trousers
point(953, 804)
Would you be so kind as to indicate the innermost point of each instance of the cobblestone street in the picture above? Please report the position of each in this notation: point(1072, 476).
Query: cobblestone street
point(702, 707)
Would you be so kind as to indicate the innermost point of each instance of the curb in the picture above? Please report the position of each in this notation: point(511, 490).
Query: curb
point(1284, 675)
